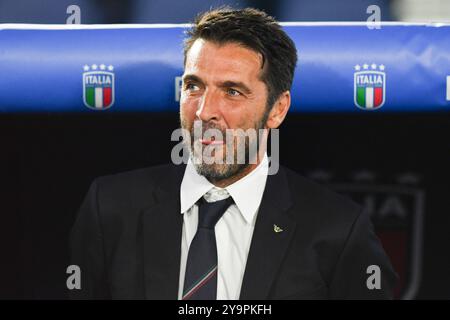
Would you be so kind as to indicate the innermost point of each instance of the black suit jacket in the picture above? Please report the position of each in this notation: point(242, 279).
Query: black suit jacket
point(127, 241)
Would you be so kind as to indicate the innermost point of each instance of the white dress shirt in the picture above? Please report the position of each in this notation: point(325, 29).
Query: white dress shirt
point(234, 229)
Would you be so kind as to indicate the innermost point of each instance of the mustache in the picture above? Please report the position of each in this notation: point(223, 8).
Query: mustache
point(207, 126)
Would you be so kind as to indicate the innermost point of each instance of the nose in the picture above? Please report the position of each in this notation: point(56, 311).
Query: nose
point(208, 108)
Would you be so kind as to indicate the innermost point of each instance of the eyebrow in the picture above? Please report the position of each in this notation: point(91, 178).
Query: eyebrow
point(236, 84)
point(224, 84)
point(191, 77)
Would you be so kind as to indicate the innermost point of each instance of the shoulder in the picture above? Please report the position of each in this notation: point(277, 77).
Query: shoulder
point(135, 187)
point(325, 220)
point(136, 178)
point(322, 202)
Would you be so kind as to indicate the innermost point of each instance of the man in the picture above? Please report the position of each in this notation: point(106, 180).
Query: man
point(216, 229)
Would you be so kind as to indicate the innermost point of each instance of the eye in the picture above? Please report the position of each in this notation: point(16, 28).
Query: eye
point(191, 87)
point(233, 92)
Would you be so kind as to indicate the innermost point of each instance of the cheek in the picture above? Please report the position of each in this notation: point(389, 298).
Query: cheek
point(245, 117)
point(237, 118)
point(188, 108)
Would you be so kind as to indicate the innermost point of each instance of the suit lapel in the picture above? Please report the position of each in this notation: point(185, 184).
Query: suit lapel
point(161, 238)
point(271, 237)
point(161, 233)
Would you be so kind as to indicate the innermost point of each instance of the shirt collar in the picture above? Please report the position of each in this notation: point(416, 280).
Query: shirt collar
point(247, 192)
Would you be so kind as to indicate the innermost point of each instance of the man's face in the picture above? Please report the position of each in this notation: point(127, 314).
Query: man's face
point(222, 90)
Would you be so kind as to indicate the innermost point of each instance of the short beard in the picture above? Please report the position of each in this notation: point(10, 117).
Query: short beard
point(216, 172)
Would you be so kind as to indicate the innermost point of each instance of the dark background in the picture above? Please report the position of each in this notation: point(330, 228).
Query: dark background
point(48, 162)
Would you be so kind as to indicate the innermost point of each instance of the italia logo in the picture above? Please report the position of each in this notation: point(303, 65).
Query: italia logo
point(369, 86)
point(98, 86)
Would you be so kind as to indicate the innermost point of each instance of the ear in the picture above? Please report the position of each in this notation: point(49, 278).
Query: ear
point(279, 110)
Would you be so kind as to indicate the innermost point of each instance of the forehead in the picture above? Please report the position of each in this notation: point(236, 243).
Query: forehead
point(206, 58)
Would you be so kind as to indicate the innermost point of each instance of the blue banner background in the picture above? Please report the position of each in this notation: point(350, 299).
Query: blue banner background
point(42, 67)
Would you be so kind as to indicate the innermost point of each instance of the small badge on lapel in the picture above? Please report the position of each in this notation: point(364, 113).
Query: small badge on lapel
point(277, 229)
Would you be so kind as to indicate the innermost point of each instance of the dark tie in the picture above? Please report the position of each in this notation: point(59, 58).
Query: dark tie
point(200, 281)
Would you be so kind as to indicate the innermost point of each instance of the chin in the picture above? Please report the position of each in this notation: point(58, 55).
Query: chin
point(217, 172)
